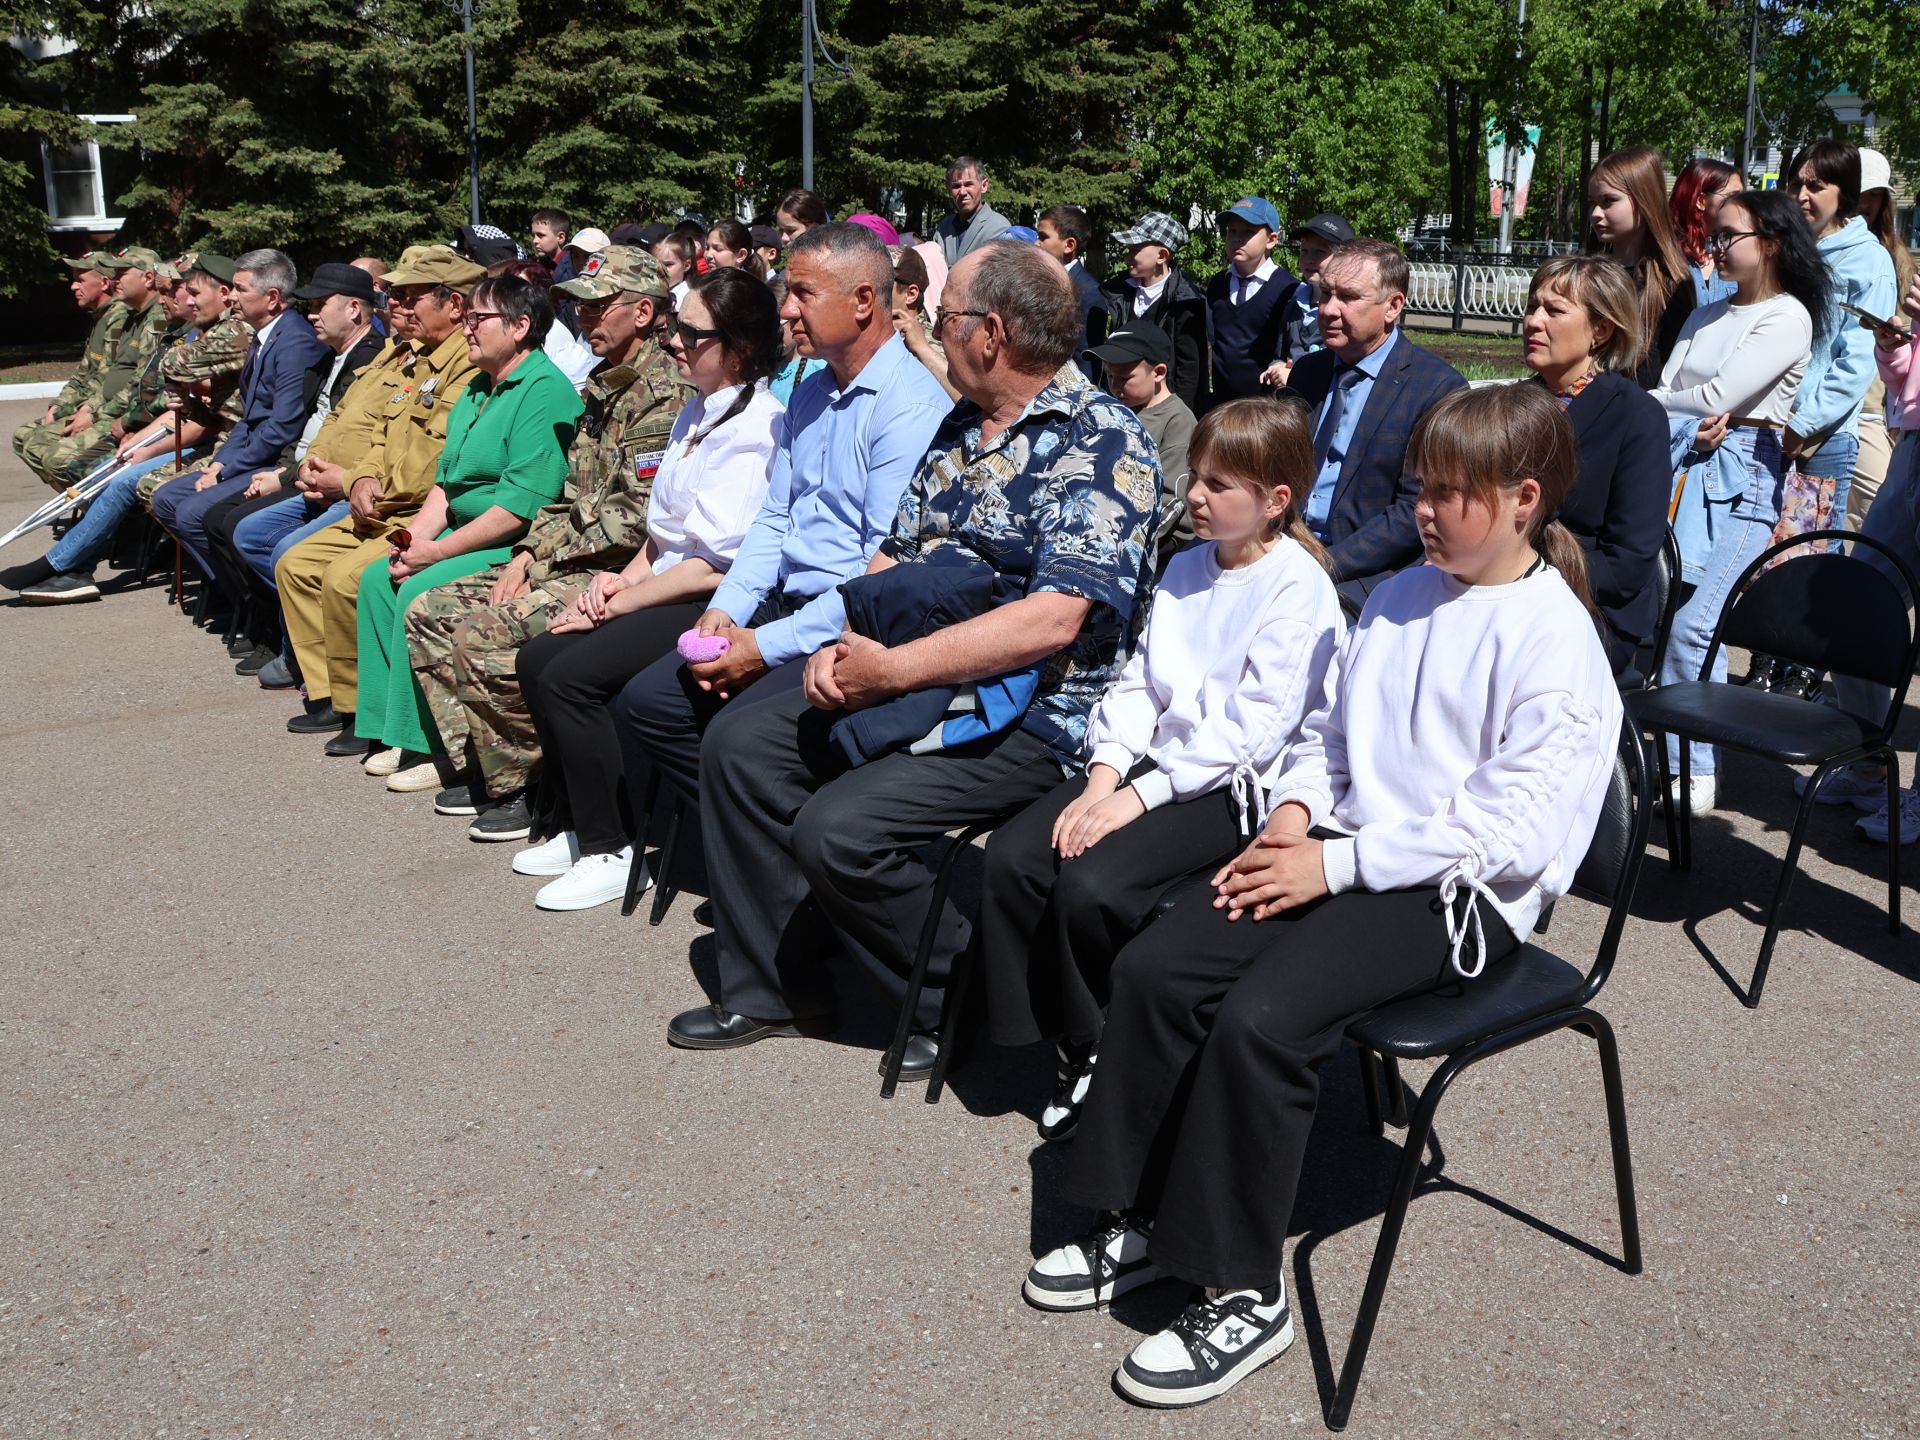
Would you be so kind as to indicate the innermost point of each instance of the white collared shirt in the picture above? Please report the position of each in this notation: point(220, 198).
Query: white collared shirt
point(704, 499)
point(1242, 288)
point(1145, 295)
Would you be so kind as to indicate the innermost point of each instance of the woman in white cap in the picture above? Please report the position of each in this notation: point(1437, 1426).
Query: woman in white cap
point(1880, 419)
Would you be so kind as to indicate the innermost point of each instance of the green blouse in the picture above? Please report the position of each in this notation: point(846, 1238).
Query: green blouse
point(507, 443)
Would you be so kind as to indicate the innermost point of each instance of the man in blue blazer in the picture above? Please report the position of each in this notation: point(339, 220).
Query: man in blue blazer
point(1367, 390)
point(274, 399)
point(1065, 234)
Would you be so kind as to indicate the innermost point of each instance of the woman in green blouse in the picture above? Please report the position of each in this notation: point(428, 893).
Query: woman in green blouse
point(505, 457)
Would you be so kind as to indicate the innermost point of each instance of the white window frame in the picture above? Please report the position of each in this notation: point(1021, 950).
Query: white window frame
point(101, 221)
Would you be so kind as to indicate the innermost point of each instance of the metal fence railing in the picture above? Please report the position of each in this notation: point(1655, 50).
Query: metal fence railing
point(1470, 286)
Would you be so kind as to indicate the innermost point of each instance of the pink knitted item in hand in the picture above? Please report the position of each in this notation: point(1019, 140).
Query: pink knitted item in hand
point(698, 649)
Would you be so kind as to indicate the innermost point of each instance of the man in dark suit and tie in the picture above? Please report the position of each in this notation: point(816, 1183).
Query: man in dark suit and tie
point(274, 399)
point(1368, 389)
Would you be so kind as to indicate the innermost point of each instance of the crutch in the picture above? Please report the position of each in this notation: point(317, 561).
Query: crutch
point(78, 493)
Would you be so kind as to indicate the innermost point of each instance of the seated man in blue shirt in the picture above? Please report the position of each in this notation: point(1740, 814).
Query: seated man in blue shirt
point(1055, 486)
point(854, 433)
point(1368, 389)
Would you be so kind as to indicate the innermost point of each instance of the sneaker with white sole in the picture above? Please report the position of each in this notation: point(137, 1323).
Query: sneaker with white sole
point(1219, 1340)
point(593, 880)
point(549, 857)
point(62, 589)
point(1064, 1279)
point(1875, 827)
point(1702, 792)
point(382, 763)
point(415, 773)
point(1072, 1075)
point(1862, 786)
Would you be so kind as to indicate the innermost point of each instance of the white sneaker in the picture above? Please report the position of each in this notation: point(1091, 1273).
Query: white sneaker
point(593, 880)
point(1063, 1279)
point(550, 857)
point(1861, 786)
point(415, 773)
point(1875, 827)
point(1223, 1337)
point(382, 763)
point(1702, 792)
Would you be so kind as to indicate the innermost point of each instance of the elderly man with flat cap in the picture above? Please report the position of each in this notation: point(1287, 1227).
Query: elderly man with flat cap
point(319, 578)
point(341, 301)
point(463, 637)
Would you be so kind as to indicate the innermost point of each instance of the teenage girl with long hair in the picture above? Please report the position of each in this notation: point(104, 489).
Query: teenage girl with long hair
point(1694, 207)
point(1627, 218)
point(1735, 371)
point(1181, 749)
point(1429, 812)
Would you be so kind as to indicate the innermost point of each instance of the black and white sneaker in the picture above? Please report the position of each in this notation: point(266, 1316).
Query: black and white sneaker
point(459, 800)
point(62, 589)
point(1064, 1279)
point(505, 819)
point(1218, 1340)
point(1071, 1076)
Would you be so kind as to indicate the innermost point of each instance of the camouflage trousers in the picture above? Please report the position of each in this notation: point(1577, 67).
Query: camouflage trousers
point(462, 650)
point(51, 455)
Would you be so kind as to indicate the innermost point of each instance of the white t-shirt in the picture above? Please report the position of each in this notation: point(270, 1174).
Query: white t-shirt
point(1469, 745)
point(572, 354)
point(1741, 360)
point(704, 497)
point(1229, 665)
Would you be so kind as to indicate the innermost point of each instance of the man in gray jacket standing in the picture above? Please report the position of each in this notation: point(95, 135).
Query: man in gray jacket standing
point(974, 222)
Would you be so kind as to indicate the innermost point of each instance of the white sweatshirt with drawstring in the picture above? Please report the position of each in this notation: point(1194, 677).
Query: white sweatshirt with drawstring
point(1469, 745)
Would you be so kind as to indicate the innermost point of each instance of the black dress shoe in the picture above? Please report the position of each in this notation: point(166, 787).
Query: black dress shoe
point(711, 1028)
point(318, 722)
point(348, 743)
point(916, 1064)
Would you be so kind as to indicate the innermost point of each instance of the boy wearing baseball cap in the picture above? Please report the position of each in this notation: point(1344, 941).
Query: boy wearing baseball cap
point(1133, 366)
point(1247, 300)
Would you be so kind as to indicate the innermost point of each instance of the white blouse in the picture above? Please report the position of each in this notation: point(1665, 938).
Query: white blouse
point(706, 495)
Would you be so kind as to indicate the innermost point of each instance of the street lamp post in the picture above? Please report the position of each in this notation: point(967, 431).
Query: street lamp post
point(809, 40)
point(1753, 70)
point(473, 124)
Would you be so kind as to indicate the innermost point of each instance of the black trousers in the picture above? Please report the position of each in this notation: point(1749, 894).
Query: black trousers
point(1209, 1067)
point(797, 842)
point(1049, 929)
point(236, 579)
point(569, 682)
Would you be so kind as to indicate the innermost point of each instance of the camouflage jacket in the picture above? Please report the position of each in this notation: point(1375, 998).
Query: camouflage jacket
point(138, 342)
point(600, 523)
point(146, 398)
point(213, 357)
point(84, 386)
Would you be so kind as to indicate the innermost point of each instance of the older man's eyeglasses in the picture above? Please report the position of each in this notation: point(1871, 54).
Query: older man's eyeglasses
point(941, 315)
point(591, 310)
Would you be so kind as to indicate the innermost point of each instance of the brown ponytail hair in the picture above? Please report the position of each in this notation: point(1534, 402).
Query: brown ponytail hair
point(1263, 444)
point(1488, 440)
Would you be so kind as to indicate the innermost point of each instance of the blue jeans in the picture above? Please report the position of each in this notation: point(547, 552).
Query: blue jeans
point(265, 535)
point(1893, 519)
point(183, 511)
point(1740, 529)
point(87, 543)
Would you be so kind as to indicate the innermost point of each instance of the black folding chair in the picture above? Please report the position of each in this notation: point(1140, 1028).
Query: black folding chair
point(664, 890)
point(1829, 612)
point(1666, 589)
point(1530, 994)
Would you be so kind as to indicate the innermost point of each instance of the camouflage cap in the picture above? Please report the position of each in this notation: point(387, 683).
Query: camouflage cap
point(436, 265)
point(135, 257)
point(617, 270)
point(175, 270)
point(220, 267)
point(98, 261)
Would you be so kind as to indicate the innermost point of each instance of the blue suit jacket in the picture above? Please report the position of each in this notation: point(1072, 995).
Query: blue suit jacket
point(273, 398)
point(1088, 290)
point(1370, 529)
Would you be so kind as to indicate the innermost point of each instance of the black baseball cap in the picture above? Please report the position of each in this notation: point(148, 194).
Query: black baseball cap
point(1329, 227)
point(1138, 342)
point(333, 278)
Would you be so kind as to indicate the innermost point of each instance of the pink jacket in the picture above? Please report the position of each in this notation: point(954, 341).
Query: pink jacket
point(1902, 374)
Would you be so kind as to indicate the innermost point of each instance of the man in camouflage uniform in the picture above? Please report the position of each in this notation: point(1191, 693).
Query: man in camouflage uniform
point(463, 637)
point(144, 401)
point(72, 410)
point(319, 578)
point(202, 377)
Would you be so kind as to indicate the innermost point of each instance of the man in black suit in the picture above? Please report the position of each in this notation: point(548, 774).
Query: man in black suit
point(1368, 389)
point(1065, 235)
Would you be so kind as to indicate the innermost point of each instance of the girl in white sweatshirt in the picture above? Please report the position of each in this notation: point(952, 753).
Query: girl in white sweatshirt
point(1429, 811)
point(1182, 749)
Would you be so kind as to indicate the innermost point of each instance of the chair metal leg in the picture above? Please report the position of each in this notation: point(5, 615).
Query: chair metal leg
point(1685, 804)
point(1787, 867)
point(638, 869)
point(1412, 1156)
point(1892, 762)
point(1370, 1086)
point(179, 575)
point(1666, 805)
point(951, 1017)
point(1396, 1091)
point(663, 886)
point(923, 956)
point(1596, 1025)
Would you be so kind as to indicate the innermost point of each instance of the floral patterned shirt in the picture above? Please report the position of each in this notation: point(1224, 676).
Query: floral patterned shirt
point(1065, 499)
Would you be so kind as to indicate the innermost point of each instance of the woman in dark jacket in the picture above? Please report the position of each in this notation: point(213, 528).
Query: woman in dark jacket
point(1582, 337)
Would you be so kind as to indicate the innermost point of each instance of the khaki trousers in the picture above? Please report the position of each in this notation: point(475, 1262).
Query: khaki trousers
point(319, 582)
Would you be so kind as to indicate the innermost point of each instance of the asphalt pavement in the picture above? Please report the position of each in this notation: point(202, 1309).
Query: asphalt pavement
point(315, 1127)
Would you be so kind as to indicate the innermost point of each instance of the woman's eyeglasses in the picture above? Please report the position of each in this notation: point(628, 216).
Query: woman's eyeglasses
point(1721, 241)
point(471, 320)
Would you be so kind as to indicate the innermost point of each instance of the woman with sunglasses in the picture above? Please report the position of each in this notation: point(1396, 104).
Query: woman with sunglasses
point(505, 457)
point(711, 480)
point(1731, 382)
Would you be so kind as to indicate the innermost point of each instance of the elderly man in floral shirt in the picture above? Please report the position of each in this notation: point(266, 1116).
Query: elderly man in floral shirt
point(1055, 486)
